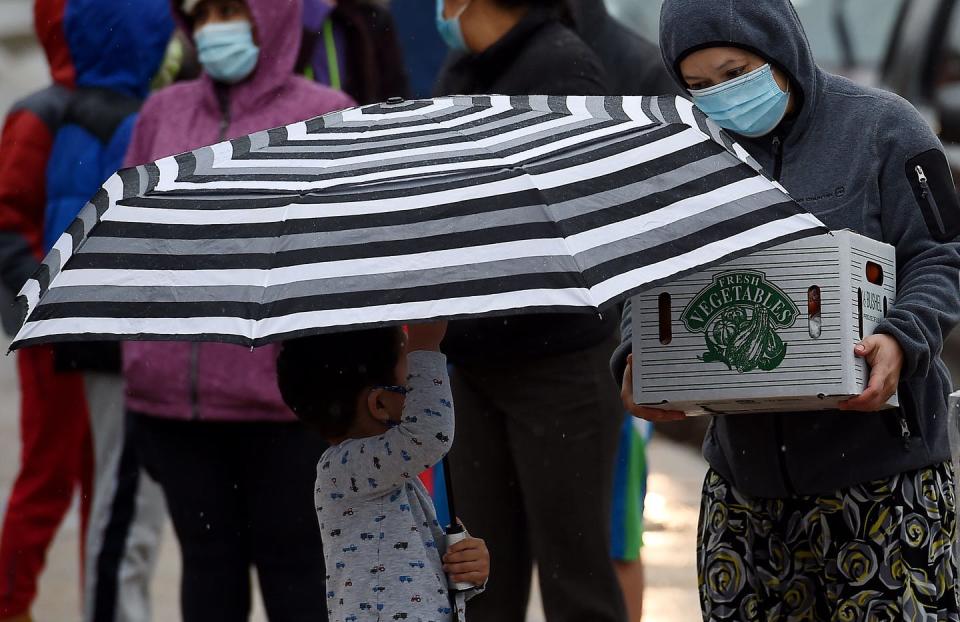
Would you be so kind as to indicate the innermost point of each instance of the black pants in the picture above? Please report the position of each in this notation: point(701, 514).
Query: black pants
point(240, 494)
point(532, 467)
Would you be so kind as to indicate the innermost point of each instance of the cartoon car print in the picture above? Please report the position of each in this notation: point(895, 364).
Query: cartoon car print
point(378, 589)
point(376, 569)
point(366, 536)
point(446, 610)
point(372, 483)
point(416, 599)
point(348, 583)
point(405, 455)
point(404, 507)
point(431, 412)
point(417, 564)
point(331, 594)
point(401, 546)
point(376, 462)
point(379, 518)
point(353, 485)
point(442, 438)
point(350, 549)
point(341, 565)
point(365, 606)
point(334, 533)
point(348, 512)
point(326, 465)
point(336, 495)
point(400, 615)
point(410, 419)
point(345, 458)
point(416, 441)
point(406, 579)
point(394, 496)
point(446, 403)
point(350, 618)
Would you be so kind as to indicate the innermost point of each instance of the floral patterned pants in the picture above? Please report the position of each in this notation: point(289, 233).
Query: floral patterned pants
point(878, 551)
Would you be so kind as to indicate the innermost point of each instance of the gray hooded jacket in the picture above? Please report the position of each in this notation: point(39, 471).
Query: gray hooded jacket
point(849, 156)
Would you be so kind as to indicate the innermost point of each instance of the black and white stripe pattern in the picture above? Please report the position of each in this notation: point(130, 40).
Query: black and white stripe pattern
point(453, 207)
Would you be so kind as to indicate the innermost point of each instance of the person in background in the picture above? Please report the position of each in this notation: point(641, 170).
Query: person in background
point(539, 430)
point(58, 146)
point(848, 514)
point(626, 518)
point(352, 46)
point(236, 467)
point(423, 49)
point(632, 63)
point(634, 67)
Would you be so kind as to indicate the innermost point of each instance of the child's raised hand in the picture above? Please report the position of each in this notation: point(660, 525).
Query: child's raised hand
point(468, 561)
point(426, 336)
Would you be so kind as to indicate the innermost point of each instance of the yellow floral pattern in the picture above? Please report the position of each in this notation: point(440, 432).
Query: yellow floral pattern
point(875, 552)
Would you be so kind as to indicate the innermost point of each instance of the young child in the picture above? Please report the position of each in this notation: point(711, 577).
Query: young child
point(383, 546)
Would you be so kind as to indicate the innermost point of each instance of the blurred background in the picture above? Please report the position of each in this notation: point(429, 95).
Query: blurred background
point(911, 47)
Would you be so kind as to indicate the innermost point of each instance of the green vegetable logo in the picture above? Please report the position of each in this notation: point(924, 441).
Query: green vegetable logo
point(740, 313)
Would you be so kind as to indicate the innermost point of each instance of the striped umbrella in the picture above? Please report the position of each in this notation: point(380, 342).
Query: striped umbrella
point(410, 210)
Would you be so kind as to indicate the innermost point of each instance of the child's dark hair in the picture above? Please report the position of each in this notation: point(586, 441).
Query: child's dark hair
point(321, 377)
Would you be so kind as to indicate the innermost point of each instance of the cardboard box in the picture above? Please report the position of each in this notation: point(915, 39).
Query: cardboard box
point(770, 332)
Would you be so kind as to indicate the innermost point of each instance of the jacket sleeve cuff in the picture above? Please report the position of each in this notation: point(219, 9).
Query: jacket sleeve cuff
point(916, 352)
point(618, 362)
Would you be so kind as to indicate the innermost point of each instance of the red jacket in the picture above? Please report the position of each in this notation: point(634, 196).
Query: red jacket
point(25, 146)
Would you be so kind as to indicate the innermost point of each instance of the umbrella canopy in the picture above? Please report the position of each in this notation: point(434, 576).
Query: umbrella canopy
point(455, 207)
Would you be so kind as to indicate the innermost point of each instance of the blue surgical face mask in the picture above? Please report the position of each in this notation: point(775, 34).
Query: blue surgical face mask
point(751, 105)
point(449, 29)
point(227, 51)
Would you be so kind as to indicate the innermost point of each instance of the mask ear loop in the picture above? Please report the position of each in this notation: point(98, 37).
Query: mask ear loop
point(462, 10)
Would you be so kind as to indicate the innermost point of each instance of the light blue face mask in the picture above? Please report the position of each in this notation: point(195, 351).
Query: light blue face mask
point(227, 51)
point(449, 29)
point(751, 105)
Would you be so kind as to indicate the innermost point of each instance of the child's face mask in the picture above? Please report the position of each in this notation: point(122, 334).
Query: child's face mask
point(227, 51)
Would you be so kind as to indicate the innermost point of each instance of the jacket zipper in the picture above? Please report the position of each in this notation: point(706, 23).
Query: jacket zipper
point(781, 455)
point(931, 200)
point(224, 101)
point(905, 435)
point(777, 157)
point(777, 144)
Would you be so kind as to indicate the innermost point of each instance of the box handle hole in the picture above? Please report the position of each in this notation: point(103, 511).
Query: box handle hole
point(814, 319)
point(874, 273)
point(666, 318)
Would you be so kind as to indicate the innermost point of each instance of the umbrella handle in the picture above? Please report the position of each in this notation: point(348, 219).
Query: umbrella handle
point(454, 526)
point(455, 531)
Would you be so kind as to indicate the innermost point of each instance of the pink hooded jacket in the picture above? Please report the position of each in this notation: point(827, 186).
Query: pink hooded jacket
point(206, 380)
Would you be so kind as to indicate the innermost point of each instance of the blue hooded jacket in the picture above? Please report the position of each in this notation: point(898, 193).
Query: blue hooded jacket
point(849, 154)
point(116, 47)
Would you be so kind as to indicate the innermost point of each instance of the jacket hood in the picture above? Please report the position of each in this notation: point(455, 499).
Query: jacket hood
point(278, 29)
point(48, 23)
point(118, 44)
point(769, 28)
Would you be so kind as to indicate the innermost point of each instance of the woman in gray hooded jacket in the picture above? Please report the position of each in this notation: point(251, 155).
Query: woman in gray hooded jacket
point(850, 514)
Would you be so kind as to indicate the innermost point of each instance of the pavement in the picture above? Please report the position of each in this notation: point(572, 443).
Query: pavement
point(672, 503)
